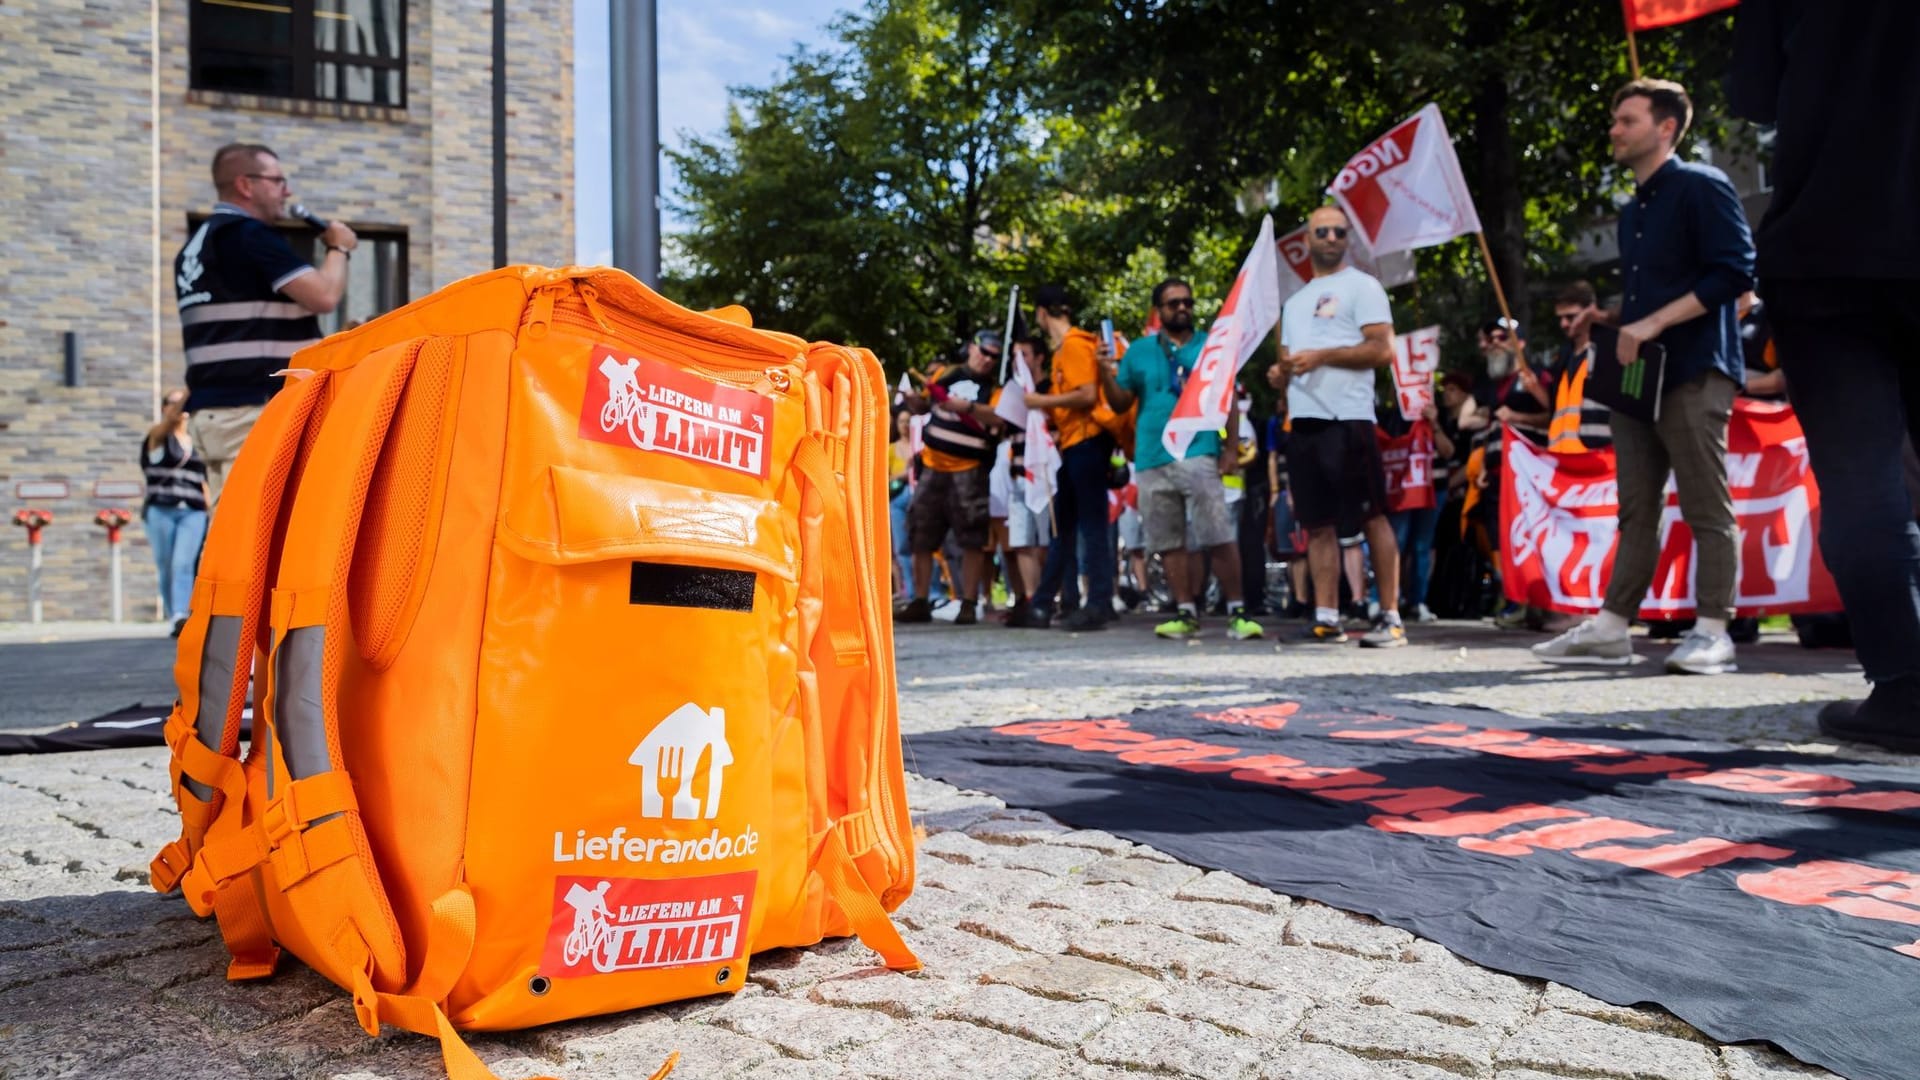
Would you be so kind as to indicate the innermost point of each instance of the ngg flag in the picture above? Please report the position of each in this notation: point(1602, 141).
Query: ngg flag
point(1252, 307)
point(1557, 512)
point(1405, 190)
point(1652, 14)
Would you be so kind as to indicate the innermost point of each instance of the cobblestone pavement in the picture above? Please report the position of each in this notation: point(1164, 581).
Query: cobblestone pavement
point(1050, 952)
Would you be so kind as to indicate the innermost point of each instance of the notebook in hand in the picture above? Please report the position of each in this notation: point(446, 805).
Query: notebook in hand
point(1633, 389)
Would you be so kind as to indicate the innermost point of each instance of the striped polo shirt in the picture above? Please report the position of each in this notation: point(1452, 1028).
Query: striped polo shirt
point(237, 326)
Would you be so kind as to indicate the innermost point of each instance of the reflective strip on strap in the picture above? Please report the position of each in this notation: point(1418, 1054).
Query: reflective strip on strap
point(242, 309)
point(245, 350)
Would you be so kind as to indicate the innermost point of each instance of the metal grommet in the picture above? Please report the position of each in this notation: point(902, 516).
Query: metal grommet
point(539, 985)
point(720, 977)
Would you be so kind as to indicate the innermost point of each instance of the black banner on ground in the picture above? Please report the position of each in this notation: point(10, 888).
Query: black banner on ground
point(1755, 894)
point(131, 727)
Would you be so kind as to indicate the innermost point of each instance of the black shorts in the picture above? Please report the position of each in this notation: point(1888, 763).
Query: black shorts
point(1334, 473)
point(950, 500)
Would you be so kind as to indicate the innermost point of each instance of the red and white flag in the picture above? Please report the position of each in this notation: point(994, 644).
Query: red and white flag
point(1558, 515)
point(1252, 307)
point(1653, 14)
point(1041, 458)
point(1416, 356)
point(1296, 265)
point(1405, 190)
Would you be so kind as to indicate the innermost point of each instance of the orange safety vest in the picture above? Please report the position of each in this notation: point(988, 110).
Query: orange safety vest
point(566, 609)
point(1563, 433)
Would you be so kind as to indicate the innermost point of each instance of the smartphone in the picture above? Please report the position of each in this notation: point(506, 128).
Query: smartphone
point(1106, 333)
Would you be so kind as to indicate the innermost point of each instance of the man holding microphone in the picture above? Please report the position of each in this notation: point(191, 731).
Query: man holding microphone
point(247, 302)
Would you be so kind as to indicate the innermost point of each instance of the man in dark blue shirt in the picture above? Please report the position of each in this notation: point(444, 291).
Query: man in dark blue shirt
point(1840, 270)
point(1686, 256)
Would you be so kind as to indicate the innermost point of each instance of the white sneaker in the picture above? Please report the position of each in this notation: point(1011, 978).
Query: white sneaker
point(1701, 653)
point(1585, 645)
point(1422, 613)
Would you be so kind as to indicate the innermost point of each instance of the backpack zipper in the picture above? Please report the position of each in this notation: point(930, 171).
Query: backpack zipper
point(575, 304)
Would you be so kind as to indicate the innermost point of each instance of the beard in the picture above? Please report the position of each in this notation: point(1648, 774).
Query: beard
point(1179, 321)
point(1499, 364)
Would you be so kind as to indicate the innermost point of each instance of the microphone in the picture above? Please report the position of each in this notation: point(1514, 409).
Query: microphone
point(300, 211)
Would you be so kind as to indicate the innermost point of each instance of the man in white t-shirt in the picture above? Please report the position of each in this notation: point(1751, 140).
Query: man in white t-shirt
point(1333, 334)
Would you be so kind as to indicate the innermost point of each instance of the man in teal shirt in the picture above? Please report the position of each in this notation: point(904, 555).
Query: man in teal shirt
point(1177, 494)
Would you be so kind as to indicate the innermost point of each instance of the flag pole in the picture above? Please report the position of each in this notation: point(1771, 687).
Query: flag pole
point(1633, 53)
point(1006, 339)
point(1500, 295)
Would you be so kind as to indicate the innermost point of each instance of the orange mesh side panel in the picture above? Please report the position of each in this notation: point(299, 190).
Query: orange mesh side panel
point(388, 558)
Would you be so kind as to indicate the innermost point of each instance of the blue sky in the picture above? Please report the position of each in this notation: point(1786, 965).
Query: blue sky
point(705, 46)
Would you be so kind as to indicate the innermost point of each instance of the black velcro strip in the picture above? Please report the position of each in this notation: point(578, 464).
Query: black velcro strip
point(672, 585)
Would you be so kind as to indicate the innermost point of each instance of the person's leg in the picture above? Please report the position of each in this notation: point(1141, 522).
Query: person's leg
point(926, 531)
point(1386, 562)
point(160, 522)
point(1693, 428)
point(190, 531)
point(1353, 563)
point(1061, 561)
point(1323, 566)
point(1090, 475)
point(1640, 469)
point(218, 435)
point(1401, 522)
point(1845, 350)
point(1420, 565)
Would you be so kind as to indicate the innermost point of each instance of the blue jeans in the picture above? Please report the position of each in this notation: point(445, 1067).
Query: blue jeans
point(1080, 525)
point(1413, 532)
point(175, 532)
point(897, 511)
point(1848, 350)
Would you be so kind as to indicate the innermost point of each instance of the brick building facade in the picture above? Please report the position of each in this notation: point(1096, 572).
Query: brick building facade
point(105, 144)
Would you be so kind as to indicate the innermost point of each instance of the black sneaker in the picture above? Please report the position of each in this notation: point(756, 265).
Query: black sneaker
point(916, 610)
point(1328, 632)
point(178, 625)
point(1030, 617)
point(1744, 631)
point(1086, 619)
point(968, 615)
point(1890, 717)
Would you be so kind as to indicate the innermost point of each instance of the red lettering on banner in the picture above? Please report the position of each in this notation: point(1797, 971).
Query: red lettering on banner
point(1474, 740)
point(1401, 733)
point(1643, 764)
point(1864, 800)
point(1570, 834)
point(1470, 823)
point(1912, 950)
point(1544, 748)
point(1405, 800)
point(1769, 781)
point(1867, 892)
point(1268, 717)
point(1173, 752)
point(1683, 860)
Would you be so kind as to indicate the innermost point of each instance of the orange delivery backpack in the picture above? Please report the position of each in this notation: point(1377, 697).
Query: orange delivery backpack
point(564, 610)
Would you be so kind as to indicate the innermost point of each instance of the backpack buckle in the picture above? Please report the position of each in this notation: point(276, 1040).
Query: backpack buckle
point(165, 870)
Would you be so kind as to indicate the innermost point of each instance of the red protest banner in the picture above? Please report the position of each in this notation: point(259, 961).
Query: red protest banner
point(1408, 463)
point(1653, 14)
point(1558, 520)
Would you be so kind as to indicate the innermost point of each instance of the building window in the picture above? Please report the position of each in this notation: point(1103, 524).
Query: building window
point(328, 50)
point(376, 275)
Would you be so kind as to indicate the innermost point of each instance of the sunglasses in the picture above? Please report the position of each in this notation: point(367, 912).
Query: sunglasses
point(1337, 232)
point(1178, 302)
point(991, 354)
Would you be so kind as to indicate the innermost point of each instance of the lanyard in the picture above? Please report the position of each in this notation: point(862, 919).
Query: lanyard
point(1176, 375)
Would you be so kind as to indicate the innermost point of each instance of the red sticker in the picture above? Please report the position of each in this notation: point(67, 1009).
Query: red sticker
point(650, 405)
point(602, 925)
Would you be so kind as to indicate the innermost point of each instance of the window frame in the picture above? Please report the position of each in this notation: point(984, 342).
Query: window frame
point(303, 53)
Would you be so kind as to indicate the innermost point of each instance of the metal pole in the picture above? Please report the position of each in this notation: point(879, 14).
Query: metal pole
point(499, 133)
point(33, 577)
point(633, 63)
point(113, 545)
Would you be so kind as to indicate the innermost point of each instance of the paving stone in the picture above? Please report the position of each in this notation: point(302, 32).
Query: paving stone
point(1563, 1042)
point(956, 954)
point(18, 933)
point(950, 1050)
point(1320, 974)
point(1330, 928)
point(1373, 1031)
point(1147, 948)
point(790, 1069)
point(1097, 840)
point(1645, 1017)
point(1224, 888)
point(800, 1028)
point(1227, 923)
point(169, 966)
point(933, 906)
point(1149, 1040)
point(1016, 1012)
point(892, 992)
point(1310, 1062)
point(1163, 877)
point(1262, 1014)
point(1008, 886)
point(1765, 1063)
point(1074, 978)
point(1102, 903)
point(637, 1047)
point(1057, 860)
point(785, 970)
point(957, 847)
point(294, 990)
point(330, 1033)
point(1454, 994)
point(1003, 830)
point(1033, 929)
